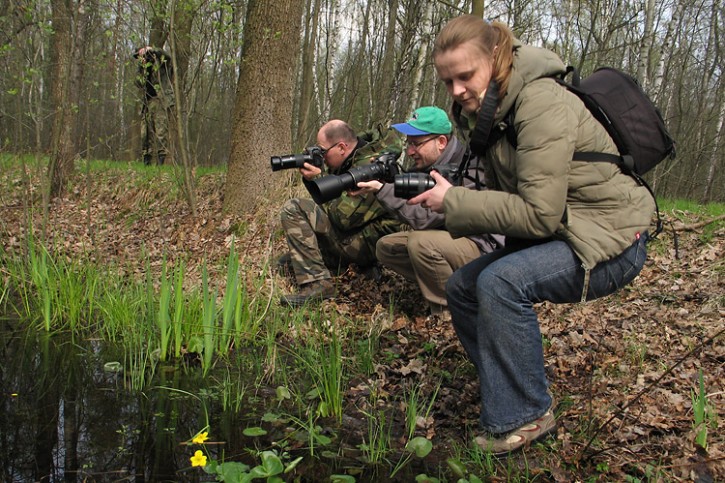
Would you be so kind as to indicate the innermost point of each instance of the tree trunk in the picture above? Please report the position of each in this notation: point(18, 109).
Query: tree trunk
point(263, 108)
point(477, 8)
point(180, 39)
point(386, 75)
point(159, 23)
point(716, 155)
point(306, 98)
point(70, 24)
point(415, 100)
point(646, 44)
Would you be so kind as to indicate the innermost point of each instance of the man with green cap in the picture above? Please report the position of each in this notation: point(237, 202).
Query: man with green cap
point(428, 254)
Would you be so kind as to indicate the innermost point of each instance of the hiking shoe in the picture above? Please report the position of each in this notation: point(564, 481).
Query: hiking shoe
point(310, 292)
point(503, 444)
point(284, 265)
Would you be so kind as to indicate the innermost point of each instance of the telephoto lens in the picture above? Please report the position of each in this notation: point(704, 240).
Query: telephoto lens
point(330, 187)
point(410, 185)
point(327, 188)
point(312, 155)
point(290, 161)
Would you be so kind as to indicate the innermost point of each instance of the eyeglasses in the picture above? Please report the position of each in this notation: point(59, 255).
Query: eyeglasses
point(416, 145)
point(325, 150)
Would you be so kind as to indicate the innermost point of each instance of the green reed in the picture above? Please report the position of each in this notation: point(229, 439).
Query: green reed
point(138, 365)
point(246, 312)
point(376, 446)
point(232, 391)
point(5, 288)
point(704, 415)
point(40, 267)
point(230, 307)
point(416, 407)
point(323, 361)
point(118, 307)
point(314, 433)
point(76, 289)
point(163, 319)
point(208, 322)
point(150, 305)
point(81, 297)
point(178, 320)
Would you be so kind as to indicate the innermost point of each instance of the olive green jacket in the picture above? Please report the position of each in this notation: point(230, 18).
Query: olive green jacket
point(536, 190)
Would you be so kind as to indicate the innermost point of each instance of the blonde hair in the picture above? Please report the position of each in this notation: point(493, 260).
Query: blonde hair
point(493, 40)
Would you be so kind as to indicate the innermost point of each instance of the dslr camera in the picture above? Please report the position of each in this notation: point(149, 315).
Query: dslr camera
point(312, 155)
point(326, 188)
point(410, 185)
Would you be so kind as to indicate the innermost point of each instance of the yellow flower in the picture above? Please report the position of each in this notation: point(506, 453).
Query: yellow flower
point(199, 459)
point(200, 438)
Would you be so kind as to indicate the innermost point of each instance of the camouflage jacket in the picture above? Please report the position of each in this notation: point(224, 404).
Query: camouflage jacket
point(155, 76)
point(351, 215)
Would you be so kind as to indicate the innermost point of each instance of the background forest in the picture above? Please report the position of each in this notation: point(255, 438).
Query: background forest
point(362, 61)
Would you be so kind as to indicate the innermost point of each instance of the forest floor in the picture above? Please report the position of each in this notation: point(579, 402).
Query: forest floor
point(623, 368)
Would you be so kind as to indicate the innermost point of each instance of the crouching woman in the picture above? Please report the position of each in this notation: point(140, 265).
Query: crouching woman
point(576, 230)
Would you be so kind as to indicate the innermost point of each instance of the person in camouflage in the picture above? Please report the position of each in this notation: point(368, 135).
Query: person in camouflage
point(155, 78)
point(341, 231)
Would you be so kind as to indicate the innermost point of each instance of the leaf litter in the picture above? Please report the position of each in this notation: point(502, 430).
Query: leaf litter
point(600, 356)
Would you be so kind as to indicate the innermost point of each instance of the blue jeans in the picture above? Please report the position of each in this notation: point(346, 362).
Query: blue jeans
point(491, 301)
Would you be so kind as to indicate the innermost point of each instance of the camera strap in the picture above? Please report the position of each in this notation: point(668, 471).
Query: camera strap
point(480, 137)
point(463, 169)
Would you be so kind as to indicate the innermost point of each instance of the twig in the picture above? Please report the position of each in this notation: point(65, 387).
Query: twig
point(646, 390)
point(695, 226)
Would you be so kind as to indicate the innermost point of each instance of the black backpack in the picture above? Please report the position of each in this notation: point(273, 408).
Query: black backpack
point(618, 102)
point(635, 124)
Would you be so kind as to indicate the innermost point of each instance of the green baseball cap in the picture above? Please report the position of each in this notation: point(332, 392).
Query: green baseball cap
point(426, 120)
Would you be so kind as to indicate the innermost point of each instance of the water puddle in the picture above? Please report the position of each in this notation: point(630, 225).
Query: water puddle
point(68, 414)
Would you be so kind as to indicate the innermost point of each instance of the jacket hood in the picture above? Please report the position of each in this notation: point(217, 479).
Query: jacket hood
point(530, 63)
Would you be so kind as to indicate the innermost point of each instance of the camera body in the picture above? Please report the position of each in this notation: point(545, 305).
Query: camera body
point(326, 188)
point(410, 185)
point(312, 155)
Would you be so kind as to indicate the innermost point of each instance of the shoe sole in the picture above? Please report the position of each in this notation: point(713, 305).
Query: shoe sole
point(546, 434)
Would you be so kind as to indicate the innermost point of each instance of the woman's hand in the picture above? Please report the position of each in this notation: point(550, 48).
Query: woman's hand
point(366, 187)
point(433, 198)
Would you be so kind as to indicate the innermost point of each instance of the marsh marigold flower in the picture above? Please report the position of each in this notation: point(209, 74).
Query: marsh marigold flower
point(199, 459)
point(200, 438)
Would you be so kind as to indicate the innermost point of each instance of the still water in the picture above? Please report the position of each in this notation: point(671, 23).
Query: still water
point(68, 415)
point(65, 417)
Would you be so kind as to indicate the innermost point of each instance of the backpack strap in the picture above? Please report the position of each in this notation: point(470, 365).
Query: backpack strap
point(624, 162)
point(463, 170)
point(480, 137)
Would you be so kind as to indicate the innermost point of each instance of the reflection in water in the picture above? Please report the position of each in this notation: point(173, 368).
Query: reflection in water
point(63, 418)
point(67, 415)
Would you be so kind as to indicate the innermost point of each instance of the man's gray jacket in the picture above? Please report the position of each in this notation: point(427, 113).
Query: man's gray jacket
point(420, 218)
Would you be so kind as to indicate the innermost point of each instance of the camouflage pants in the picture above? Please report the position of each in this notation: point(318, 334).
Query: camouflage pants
point(316, 247)
point(155, 129)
